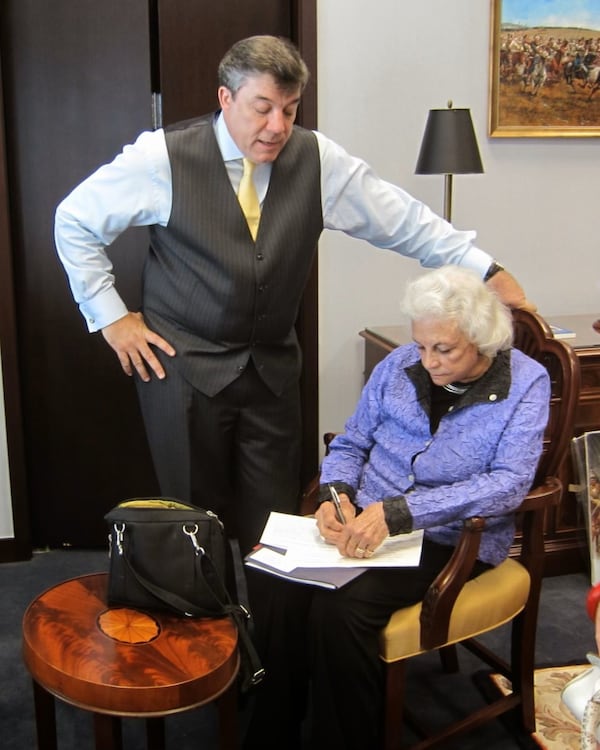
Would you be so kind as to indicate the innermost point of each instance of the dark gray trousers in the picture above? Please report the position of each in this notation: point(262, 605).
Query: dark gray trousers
point(236, 453)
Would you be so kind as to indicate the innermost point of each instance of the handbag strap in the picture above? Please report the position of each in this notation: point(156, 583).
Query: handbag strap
point(251, 669)
point(241, 585)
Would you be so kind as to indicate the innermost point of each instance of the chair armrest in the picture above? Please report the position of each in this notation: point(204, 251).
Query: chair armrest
point(439, 600)
point(440, 597)
point(309, 501)
point(327, 438)
point(532, 511)
point(542, 496)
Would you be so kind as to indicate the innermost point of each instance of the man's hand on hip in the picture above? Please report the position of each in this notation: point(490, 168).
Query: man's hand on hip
point(130, 337)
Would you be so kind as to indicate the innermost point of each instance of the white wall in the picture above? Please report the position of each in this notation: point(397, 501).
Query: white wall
point(383, 64)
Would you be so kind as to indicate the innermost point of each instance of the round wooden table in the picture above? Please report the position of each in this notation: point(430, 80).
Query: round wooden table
point(118, 662)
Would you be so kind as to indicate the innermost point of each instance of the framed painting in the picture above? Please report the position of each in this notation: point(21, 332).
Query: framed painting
point(544, 68)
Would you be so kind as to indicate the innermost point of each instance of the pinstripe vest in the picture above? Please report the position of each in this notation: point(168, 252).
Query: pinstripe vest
point(212, 292)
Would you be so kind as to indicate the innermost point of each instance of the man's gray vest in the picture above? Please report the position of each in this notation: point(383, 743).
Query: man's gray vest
point(217, 296)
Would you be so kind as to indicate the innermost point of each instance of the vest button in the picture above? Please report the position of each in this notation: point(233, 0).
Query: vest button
point(260, 256)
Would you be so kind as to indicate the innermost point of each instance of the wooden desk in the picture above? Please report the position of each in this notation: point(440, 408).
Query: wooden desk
point(566, 545)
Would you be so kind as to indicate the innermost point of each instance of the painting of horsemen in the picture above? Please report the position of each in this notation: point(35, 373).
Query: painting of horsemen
point(545, 68)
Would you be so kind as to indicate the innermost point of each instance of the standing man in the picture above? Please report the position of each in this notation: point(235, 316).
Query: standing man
point(215, 350)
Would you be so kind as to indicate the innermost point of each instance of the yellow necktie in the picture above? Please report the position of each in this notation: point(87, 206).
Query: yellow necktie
point(248, 198)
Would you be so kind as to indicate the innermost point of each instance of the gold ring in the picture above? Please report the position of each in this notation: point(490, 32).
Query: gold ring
point(360, 550)
point(368, 552)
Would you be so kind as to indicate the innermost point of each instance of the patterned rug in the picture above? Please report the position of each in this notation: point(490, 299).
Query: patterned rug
point(556, 727)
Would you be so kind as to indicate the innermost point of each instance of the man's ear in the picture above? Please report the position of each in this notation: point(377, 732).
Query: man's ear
point(225, 97)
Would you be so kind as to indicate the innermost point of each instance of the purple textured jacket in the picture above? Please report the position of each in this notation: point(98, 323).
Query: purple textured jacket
point(480, 462)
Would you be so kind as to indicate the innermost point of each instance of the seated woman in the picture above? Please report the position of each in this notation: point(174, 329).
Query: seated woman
point(447, 427)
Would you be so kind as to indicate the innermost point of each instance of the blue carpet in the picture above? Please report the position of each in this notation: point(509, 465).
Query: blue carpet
point(564, 636)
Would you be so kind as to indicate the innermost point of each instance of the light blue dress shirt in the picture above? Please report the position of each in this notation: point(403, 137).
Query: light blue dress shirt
point(135, 190)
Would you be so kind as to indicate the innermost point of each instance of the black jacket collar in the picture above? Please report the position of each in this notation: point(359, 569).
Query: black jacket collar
point(494, 385)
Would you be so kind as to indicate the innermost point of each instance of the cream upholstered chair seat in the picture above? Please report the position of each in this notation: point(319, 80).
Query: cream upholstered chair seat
point(484, 603)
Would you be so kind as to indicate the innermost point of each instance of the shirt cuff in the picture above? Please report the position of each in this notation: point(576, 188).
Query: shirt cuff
point(341, 487)
point(105, 308)
point(398, 517)
point(477, 260)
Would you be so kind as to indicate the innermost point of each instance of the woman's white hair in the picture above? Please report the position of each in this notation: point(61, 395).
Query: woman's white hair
point(454, 293)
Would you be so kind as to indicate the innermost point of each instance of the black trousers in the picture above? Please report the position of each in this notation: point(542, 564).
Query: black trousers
point(236, 453)
point(325, 644)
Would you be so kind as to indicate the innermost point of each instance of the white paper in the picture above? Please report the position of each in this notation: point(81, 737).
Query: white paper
point(304, 547)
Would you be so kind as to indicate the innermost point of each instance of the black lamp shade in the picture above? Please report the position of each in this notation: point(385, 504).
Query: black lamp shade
point(449, 144)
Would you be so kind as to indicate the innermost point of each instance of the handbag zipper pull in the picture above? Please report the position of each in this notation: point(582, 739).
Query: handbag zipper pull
point(191, 531)
point(212, 514)
point(119, 529)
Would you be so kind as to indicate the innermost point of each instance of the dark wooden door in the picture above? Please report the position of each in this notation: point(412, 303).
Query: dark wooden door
point(17, 547)
point(76, 80)
point(189, 40)
point(78, 77)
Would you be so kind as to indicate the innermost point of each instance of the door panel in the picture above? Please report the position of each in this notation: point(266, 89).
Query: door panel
point(77, 84)
point(193, 37)
point(17, 547)
point(76, 88)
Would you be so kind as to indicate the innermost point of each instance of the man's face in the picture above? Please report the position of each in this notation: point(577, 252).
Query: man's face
point(259, 117)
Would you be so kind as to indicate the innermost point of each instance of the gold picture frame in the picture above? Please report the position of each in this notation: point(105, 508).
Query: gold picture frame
point(544, 72)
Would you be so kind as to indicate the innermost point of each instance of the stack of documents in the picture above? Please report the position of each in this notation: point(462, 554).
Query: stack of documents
point(291, 547)
point(562, 333)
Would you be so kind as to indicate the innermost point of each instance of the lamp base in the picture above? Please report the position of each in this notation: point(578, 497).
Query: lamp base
point(448, 197)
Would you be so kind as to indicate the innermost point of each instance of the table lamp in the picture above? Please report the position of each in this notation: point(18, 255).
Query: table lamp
point(449, 147)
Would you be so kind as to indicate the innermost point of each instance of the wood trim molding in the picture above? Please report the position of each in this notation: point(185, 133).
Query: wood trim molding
point(18, 548)
point(304, 34)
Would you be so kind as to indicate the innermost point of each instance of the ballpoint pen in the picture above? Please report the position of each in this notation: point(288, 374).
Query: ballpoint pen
point(335, 498)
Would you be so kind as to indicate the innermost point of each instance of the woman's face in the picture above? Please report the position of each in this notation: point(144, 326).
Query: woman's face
point(446, 353)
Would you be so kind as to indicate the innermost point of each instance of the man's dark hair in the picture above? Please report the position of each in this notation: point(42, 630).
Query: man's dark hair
point(257, 55)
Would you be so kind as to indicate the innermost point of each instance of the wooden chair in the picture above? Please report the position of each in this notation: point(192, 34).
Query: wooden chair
point(456, 610)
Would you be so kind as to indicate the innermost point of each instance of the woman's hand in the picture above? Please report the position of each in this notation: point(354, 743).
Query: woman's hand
point(330, 527)
point(361, 536)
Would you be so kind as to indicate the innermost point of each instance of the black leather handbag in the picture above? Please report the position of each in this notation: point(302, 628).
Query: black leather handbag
point(165, 554)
